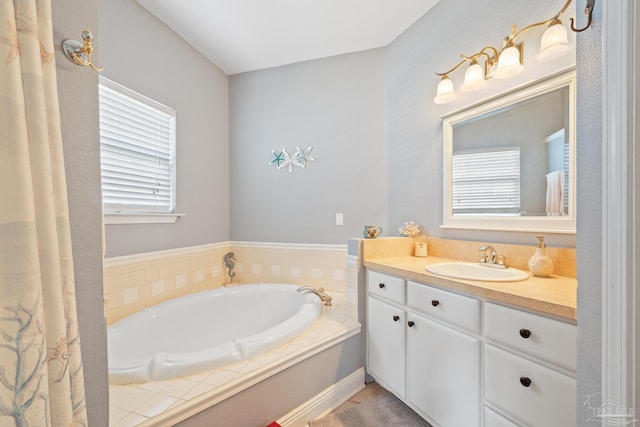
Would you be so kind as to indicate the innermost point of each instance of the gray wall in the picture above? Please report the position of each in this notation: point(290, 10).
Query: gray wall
point(433, 44)
point(589, 248)
point(78, 94)
point(140, 52)
point(338, 106)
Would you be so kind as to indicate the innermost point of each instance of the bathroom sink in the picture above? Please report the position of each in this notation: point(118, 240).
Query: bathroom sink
point(470, 271)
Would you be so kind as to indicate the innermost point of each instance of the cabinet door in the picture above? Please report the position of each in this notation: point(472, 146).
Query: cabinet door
point(385, 345)
point(443, 373)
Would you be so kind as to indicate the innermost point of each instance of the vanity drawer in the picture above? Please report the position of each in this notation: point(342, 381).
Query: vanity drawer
point(548, 339)
point(493, 419)
point(386, 286)
point(527, 391)
point(453, 308)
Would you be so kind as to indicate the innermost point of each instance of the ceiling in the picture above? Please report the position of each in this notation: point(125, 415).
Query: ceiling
point(245, 35)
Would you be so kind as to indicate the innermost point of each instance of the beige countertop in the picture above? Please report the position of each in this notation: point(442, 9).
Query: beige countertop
point(555, 296)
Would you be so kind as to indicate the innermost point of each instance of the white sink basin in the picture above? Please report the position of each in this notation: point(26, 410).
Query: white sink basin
point(470, 271)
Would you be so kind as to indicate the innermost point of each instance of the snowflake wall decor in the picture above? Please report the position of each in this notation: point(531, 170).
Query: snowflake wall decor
point(282, 158)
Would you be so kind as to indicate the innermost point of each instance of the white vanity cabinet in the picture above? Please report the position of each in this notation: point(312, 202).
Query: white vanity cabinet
point(386, 324)
point(459, 360)
point(529, 367)
point(493, 419)
point(443, 373)
point(385, 345)
point(443, 363)
point(433, 367)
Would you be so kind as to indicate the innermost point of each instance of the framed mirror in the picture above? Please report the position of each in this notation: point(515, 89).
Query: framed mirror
point(509, 162)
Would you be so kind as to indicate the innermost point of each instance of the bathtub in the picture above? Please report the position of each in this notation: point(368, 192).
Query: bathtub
point(207, 330)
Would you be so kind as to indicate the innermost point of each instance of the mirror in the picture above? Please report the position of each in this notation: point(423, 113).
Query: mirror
point(509, 162)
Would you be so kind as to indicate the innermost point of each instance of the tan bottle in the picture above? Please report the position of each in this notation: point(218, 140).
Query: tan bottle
point(540, 264)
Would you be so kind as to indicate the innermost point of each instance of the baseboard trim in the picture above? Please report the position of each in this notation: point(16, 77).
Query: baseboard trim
point(326, 401)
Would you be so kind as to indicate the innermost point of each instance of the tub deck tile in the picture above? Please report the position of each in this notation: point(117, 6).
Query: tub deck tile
point(219, 377)
point(152, 404)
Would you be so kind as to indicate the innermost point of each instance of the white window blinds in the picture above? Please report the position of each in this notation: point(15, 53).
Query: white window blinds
point(137, 152)
point(486, 180)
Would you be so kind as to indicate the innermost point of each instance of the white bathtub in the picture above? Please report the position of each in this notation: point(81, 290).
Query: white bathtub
point(207, 330)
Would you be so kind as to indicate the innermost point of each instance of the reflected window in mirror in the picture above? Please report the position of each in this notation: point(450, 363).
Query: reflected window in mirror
point(486, 180)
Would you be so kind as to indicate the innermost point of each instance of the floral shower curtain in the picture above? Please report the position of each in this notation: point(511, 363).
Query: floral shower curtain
point(41, 379)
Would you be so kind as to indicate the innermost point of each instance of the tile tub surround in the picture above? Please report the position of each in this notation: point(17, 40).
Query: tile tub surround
point(164, 403)
point(135, 282)
point(555, 296)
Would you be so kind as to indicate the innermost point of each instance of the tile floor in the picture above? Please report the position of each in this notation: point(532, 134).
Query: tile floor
point(150, 403)
point(370, 391)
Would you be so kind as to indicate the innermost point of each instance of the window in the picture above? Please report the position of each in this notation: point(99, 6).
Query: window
point(486, 180)
point(137, 152)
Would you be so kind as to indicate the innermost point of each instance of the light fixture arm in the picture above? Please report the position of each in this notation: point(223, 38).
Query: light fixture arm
point(514, 35)
point(458, 65)
point(470, 58)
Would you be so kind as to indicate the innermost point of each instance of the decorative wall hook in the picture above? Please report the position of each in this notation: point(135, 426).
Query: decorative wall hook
point(80, 53)
point(588, 10)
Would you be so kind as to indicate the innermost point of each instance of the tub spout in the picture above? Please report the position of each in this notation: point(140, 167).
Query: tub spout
point(319, 292)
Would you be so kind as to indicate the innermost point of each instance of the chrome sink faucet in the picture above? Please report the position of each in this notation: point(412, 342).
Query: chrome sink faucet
point(326, 298)
point(490, 258)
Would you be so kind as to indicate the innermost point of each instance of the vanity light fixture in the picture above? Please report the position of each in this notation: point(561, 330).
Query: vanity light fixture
point(473, 78)
point(508, 61)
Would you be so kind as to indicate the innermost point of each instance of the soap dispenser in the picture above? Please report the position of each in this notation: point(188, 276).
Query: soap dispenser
point(540, 264)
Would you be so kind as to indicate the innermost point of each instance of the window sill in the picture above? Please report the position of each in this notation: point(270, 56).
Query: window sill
point(143, 218)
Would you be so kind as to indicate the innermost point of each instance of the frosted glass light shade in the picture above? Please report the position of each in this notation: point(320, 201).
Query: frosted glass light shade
point(473, 78)
point(554, 43)
point(445, 92)
point(508, 64)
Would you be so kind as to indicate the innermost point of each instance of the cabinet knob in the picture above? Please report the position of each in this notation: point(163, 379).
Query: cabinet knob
point(525, 333)
point(525, 381)
point(435, 302)
point(410, 323)
point(396, 318)
point(381, 285)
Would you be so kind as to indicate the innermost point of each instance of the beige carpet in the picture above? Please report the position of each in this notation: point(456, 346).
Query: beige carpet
point(383, 410)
